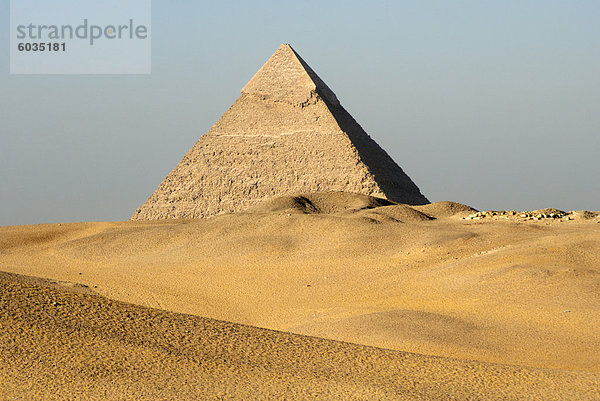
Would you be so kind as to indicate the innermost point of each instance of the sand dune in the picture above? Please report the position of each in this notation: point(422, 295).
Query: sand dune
point(352, 268)
point(342, 204)
point(63, 342)
point(444, 209)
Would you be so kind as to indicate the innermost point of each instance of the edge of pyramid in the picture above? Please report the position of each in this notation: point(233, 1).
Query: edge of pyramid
point(320, 86)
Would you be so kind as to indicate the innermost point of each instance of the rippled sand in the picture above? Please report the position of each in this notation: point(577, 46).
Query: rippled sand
point(518, 299)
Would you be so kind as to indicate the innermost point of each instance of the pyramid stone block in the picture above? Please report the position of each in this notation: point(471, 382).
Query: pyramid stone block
point(286, 134)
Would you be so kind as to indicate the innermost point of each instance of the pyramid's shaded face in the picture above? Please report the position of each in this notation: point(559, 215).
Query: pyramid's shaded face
point(286, 134)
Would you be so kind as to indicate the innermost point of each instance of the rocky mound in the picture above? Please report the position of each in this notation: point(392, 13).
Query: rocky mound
point(348, 204)
point(395, 213)
point(444, 209)
point(353, 205)
point(320, 203)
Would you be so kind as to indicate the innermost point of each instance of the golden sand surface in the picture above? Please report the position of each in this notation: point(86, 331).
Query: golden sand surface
point(497, 290)
point(63, 342)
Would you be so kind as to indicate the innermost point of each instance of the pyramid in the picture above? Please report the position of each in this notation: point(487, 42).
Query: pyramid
point(286, 134)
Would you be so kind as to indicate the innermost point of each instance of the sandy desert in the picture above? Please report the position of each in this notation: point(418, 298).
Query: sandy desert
point(288, 256)
point(325, 295)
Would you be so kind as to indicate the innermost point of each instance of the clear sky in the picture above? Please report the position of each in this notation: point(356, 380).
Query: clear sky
point(492, 104)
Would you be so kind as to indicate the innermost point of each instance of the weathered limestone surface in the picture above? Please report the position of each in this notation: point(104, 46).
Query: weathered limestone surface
point(286, 133)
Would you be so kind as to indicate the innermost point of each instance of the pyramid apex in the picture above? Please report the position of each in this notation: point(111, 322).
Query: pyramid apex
point(286, 77)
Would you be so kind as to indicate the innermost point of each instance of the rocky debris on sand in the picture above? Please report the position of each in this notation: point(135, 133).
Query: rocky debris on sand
point(545, 214)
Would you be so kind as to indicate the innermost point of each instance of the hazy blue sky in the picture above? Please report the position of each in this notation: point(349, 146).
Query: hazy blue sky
point(492, 104)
